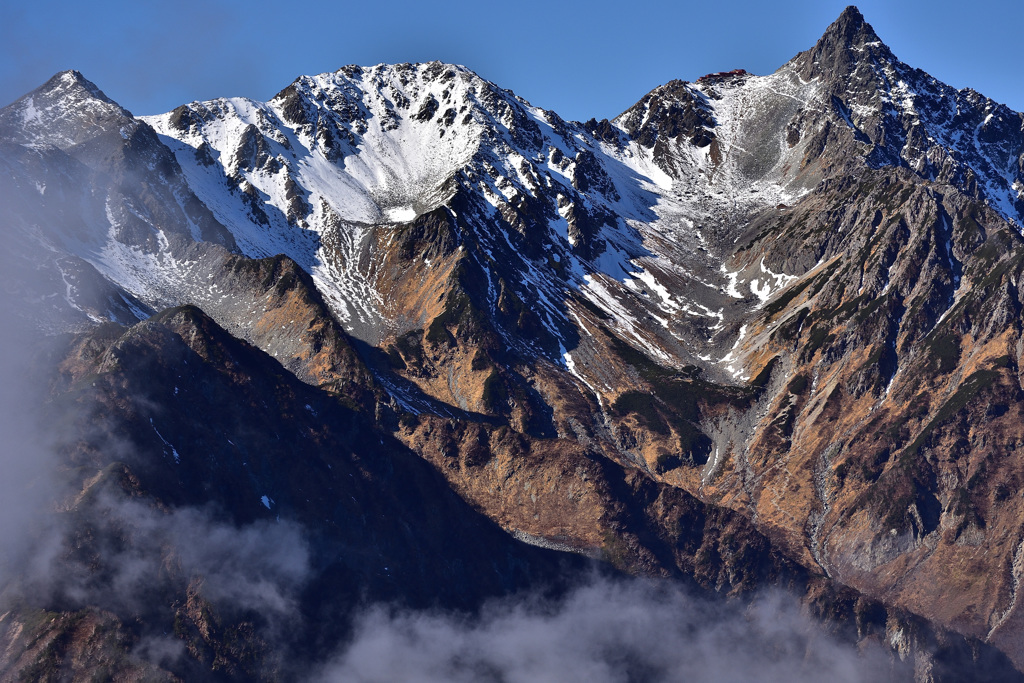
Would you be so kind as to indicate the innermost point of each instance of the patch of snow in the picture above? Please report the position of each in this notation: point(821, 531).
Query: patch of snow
point(174, 452)
point(762, 293)
point(730, 288)
point(402, 214)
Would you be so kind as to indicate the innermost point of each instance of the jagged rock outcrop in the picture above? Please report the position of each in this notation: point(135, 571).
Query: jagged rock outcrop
point(754, 330)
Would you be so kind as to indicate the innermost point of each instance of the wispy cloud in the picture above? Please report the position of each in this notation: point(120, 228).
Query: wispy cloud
point(606, 632)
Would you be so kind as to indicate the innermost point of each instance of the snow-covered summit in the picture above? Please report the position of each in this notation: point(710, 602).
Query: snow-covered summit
point(53, 113)
point(640, 216)
point(316, 170)
point(377, 144)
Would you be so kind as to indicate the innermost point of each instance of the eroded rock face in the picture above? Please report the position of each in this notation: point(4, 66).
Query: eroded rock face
point(756, 330)
point(189, 439)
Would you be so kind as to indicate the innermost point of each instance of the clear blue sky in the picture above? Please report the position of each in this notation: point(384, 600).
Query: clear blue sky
point(581, 59)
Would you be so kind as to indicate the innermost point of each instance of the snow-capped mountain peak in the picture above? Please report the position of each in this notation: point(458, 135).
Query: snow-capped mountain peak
point(53, 113)
point(330, 169)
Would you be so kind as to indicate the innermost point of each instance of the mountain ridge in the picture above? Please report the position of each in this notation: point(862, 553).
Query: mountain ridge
point(787, 301)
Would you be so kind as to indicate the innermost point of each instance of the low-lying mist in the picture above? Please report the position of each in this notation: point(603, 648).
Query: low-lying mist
point(607, 631)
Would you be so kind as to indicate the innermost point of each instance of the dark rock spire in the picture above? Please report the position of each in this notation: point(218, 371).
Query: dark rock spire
point(844, 41)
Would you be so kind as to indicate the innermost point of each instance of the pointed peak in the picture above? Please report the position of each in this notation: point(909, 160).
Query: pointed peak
point(62, 112)
point(850, 18)
point(844, 42)
point(850, 29)
point(72, 77)
point(72, 80)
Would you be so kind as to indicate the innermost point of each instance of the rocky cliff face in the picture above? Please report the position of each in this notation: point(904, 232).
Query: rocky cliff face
point(756, 330)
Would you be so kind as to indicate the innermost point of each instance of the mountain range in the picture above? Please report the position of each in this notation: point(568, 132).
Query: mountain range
point(430, 345)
